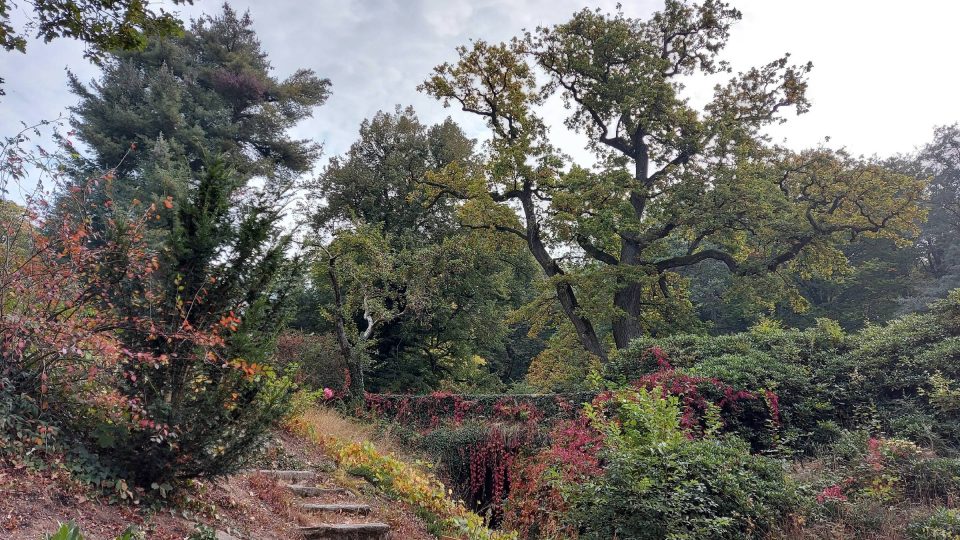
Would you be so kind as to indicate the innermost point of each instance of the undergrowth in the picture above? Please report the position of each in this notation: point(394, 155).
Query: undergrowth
point(347, 442)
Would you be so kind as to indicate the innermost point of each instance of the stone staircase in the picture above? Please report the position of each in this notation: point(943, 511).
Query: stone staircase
point(334, 512)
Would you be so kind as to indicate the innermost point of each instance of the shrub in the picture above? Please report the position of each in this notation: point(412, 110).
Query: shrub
point(901, 379)
point(767, 359)
point(944, 524)
point(657, 482)
point(136, 338)
point(429, 497)
point(900, 376)
point(200, 330)
point(860, 467)
point(478, 457)
point(933, 479)
point(317, 358)
point(59, 347)
point(71, 531)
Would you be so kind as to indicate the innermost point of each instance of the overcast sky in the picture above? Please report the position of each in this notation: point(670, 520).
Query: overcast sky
point(885, 72)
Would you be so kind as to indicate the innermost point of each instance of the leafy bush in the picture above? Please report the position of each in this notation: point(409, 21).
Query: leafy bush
point(944, 524)
point(900, 376)
point(137, 339)
point(537, 505)
point(767, 359)
point(901, 379)
point(659, 483)
point(933, 479)
point(317, 358)
point(861, 467)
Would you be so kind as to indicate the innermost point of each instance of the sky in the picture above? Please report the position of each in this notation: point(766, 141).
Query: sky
point(884, 76)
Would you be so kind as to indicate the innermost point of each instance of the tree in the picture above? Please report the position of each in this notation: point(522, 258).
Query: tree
point(379, 180)
point(209, 92)
point(675, 185)
point(102, 25)
point(938, 245)
point(359, 261)
point(867, 288)
point(209, 314)
point(196, 127)
point(415, 295)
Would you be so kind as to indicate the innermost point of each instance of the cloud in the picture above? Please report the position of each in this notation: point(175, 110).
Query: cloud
point(883, 73)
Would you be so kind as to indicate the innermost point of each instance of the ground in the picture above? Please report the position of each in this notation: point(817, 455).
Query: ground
point(246, 506)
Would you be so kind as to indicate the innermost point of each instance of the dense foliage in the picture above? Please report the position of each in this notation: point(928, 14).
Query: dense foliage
point(675, 186)
point(160, 283)
point(698, 335)
point(418, 299)
point(657, 482)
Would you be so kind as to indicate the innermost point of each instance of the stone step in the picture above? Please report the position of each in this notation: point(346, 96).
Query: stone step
point(346, 531)
point(314, 491)
point(344, 508)
point(289, 476)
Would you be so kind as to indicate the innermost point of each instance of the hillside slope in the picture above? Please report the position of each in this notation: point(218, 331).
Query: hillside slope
point(247, 506)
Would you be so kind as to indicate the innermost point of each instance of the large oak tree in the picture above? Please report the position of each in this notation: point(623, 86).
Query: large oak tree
point(674, 184)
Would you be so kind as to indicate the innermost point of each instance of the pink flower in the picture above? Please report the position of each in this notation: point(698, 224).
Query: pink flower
point(327, 394)
point(832, 493)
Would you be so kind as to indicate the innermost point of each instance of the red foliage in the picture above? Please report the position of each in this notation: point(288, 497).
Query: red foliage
point(833, 493)
point(698, 394)
point(520, 483)
point(57, 328)
point(535, 503)
point(64, 273)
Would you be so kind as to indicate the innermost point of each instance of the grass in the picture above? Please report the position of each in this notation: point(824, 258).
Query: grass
point(332, 424)
point(361, 447)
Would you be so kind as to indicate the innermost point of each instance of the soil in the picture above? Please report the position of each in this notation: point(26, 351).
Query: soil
point(34, 503)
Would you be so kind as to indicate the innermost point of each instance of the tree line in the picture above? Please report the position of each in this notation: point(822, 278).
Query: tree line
point(424, 259)
point(436, 258)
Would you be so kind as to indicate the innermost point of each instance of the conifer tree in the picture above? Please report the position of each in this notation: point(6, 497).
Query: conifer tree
point(196, 127)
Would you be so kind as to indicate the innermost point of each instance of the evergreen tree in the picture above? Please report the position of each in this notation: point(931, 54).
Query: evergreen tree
point(208, 317)
point(939, 242)
point(195, 127)
point(209, 92)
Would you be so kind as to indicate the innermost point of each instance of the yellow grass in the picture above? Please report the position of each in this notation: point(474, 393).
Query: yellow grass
point(330, 423)
point(356, 445)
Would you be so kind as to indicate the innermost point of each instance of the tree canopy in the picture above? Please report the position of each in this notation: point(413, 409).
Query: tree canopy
point(102, 25)
point(208, 92)
point(674, 185)
point(425, 296)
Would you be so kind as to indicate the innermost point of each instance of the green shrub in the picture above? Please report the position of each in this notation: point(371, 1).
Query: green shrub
point(657, 483)
point(218, 425)
point(899, 376)
point(934, 478)
point(767, 358)
point(901, 379)
point(23, 425)
point(944, 524)
point(71, 531)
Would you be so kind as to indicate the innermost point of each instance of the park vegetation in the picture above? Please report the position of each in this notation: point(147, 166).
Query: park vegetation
point(699, 334)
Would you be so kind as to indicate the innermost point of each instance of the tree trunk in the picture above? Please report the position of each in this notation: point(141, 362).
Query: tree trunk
point(565, 293)
point(350, 353)
point(627, 298)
